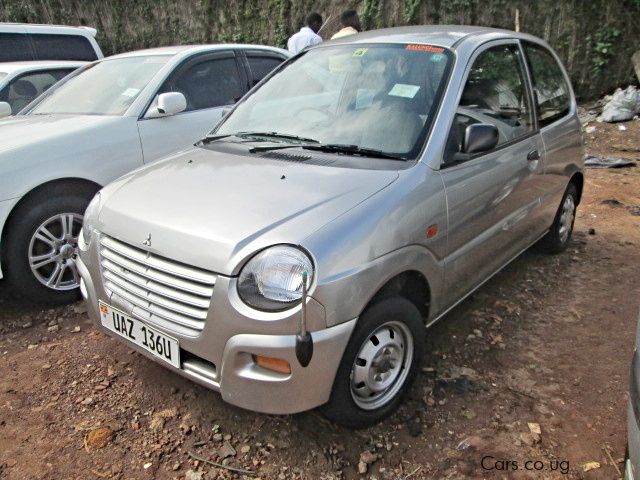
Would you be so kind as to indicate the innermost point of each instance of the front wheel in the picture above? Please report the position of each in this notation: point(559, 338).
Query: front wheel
point(557, 239)
point(378, 365)
point(41, 249)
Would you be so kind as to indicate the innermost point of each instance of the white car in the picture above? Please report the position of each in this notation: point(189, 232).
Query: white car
point(22, 82)
point(98, 123)
point(27, 41)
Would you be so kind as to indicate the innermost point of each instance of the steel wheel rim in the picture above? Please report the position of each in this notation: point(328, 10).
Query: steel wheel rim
point(566, 218)
point(53, 250)
point(381, 366)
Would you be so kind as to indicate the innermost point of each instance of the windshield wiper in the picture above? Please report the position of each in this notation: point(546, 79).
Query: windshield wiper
point(353, 150)
point(266, 135)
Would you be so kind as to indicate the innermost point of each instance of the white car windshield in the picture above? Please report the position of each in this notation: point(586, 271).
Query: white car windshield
point(108, 87)
point(379, 97)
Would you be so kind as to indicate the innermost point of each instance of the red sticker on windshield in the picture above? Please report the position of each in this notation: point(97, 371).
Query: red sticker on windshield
point(425, 48)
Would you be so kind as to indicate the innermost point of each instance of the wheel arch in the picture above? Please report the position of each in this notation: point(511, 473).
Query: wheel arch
point(578, 181)
point(52, 187)
point(410, 284)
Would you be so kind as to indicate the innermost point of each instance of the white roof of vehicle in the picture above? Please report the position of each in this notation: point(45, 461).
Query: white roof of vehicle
point(13, 67)
point(40, 28)
point(177, 49)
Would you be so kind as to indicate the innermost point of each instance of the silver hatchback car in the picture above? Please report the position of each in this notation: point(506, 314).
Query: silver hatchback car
point(293, 258)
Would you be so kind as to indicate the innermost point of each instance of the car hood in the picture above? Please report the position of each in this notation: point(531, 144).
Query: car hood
point(27, 131)
point(213, 210)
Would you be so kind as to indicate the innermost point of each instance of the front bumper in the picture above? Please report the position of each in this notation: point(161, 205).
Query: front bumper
point(5, 209)
point(220, 356)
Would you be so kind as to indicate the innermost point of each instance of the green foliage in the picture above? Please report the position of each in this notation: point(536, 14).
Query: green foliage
point(603, 44)
point(410, 10)
point(594, 38)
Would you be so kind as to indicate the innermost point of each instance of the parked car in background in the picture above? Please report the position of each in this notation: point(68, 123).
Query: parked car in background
point(632, 461)
point(26, 42)
point(22, 82)
point(100, 122)
point(293, 258)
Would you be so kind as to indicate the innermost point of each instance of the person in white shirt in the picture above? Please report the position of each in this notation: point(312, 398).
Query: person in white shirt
point(350, 24)
point(307, 36)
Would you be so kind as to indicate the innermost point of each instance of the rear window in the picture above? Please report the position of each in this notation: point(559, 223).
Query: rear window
point(63, 47)
point(15, 47)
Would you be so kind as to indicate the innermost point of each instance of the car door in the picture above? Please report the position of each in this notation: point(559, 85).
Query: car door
point(209, 83)
point(559, 128)
point(492, 196)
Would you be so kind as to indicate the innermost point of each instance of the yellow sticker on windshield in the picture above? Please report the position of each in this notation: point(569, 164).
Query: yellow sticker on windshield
point(360, 52)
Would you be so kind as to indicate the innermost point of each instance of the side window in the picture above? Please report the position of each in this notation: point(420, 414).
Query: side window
point(208, 84)
point(551, 90)
point(261, 66)
point(496, 93)
point(24, 89)
point(15, 47)
point(63, 47)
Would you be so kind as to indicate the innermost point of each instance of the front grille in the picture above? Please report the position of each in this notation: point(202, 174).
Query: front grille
point(168, 293)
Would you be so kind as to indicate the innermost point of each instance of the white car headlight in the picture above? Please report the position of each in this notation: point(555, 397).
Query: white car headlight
point(90, 216)
point(272, 280)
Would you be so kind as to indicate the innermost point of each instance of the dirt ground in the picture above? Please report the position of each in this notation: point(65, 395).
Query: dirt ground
point(526, 379)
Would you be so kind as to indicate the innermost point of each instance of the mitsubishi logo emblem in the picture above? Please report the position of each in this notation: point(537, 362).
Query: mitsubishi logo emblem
point(147, 242)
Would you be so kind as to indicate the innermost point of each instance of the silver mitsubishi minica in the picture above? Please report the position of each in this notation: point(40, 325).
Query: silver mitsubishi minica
point(293, 258)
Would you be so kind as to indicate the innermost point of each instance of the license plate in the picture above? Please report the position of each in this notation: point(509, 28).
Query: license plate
point(162, 346)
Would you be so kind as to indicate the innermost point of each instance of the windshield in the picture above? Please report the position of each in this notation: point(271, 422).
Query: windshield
point(104, 88)
point(378, 97)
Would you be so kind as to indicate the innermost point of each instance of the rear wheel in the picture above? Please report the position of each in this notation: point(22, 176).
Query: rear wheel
point(40, 253)
point(379, 364)
point(559, 235)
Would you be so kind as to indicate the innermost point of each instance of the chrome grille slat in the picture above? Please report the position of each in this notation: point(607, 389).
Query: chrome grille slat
point(170, 294)
point(159, 263)
point(153, 298)
point(154, 309)
point(127, 276)
point(110, 258)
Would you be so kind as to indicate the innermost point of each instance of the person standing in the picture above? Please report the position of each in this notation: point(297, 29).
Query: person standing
point(307, 36)
point(350, 24)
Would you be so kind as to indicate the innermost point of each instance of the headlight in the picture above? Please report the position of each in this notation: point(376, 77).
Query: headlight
point(272, 280)
point(90, 215)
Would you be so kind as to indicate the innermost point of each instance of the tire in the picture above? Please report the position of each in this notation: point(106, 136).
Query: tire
point(392, 321)
point(559, 235)
point(45, 209)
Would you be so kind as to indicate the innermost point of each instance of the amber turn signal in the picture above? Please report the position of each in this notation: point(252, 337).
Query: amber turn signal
point(270, 363)
point(432, 231)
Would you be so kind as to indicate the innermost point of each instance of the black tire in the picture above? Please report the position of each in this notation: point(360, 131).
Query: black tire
point(24, 222)
point(342, 408)
point(554, 242)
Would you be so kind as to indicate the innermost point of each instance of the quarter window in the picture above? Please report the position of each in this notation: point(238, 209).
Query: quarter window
point(549, 85)
point(208, 84)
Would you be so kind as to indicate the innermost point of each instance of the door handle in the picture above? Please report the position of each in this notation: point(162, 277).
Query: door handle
point(533, 155)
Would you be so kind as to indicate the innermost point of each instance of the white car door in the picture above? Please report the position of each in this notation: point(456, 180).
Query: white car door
point(209, 83)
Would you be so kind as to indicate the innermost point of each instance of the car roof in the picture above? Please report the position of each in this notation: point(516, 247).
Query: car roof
point(11, 67)
point(180, 49)
point(42, 28)
point(448, 36)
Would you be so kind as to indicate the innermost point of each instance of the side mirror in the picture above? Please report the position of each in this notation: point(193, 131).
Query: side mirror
point(480, 137)
point(168, 104)
point(226, 111)
point(5, 109)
